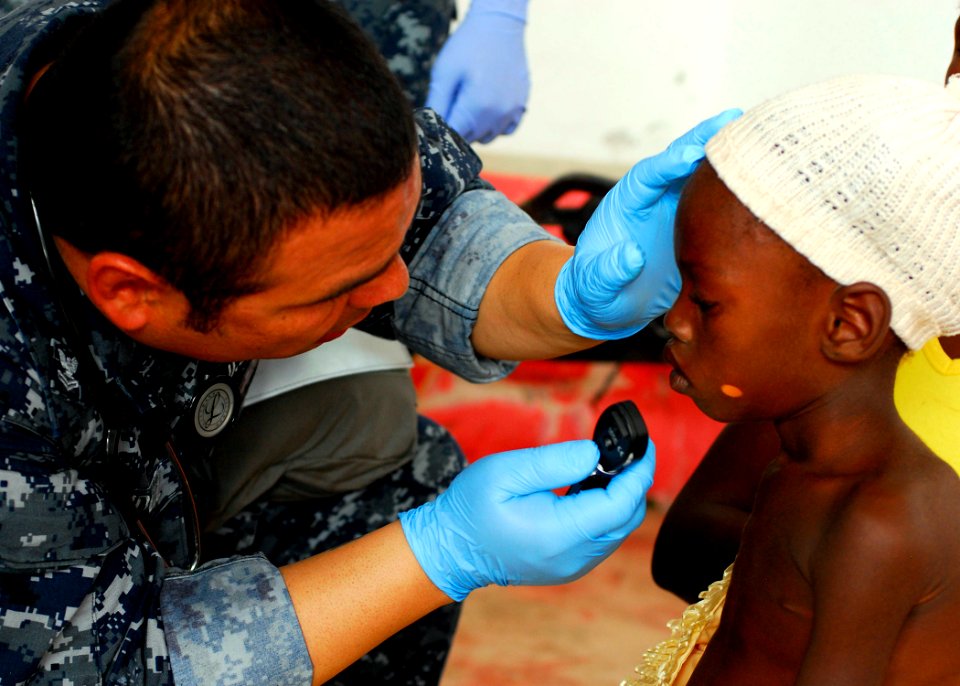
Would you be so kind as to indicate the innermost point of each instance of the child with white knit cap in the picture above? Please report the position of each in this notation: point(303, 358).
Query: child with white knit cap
point(817, 244)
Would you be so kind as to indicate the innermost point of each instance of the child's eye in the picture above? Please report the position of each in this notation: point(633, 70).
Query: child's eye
point(702, 304)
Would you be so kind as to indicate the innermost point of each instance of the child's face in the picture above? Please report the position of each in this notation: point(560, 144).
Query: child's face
point(745, 327)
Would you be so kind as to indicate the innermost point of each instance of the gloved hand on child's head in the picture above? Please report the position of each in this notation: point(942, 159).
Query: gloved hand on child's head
point(623, 273)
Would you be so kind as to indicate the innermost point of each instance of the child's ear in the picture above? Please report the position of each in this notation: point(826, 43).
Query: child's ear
point(858, 322)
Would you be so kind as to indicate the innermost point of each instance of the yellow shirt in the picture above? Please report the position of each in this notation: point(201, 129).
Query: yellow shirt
point(927, 396)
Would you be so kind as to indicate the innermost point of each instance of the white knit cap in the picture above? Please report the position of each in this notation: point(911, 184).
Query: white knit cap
point(861, 175)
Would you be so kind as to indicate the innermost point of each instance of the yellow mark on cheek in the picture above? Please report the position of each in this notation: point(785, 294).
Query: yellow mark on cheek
point(731, 391)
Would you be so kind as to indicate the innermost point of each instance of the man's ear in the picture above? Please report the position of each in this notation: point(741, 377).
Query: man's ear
point(129, 294)
point(858, 322)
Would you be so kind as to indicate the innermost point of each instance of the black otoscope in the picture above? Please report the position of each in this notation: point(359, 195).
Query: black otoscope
point(621, 436)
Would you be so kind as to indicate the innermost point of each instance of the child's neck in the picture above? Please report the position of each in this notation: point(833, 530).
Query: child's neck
point(848, 430)
point(951, 346)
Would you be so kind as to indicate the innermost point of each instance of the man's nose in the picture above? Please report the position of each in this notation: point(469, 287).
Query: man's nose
point(388, 285)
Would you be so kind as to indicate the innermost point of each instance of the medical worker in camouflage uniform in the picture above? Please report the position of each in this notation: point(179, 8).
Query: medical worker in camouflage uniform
point(188, 184)
point(481, 85)
point(328, 433)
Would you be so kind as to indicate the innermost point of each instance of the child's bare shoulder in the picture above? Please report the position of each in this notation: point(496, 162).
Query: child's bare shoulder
point(903, 516)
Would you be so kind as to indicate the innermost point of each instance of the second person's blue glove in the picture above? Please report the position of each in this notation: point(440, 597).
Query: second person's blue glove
point(623, 273)
point(480, 81)
point(500, 523)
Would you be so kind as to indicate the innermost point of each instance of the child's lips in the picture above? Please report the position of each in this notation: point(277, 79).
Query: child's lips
point(678, 380)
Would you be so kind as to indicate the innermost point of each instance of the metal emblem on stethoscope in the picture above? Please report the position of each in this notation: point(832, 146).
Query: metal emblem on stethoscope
point(213, 410)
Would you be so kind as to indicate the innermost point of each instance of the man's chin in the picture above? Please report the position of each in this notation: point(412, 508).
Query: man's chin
point(331, 336)
point(276, 354)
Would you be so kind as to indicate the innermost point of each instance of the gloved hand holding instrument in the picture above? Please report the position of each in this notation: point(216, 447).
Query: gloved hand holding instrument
point(501, 523)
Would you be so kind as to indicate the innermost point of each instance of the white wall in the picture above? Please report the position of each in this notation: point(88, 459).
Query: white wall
point(616, 80)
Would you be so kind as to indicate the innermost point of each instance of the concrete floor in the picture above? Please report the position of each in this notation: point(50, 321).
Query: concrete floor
point(592, 631)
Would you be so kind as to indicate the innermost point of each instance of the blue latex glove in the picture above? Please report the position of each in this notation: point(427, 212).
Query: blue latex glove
point(480, 81)
point(623, 273)
point(500, 523)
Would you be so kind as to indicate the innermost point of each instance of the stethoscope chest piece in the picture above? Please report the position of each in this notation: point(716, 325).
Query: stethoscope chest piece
point(213, 409)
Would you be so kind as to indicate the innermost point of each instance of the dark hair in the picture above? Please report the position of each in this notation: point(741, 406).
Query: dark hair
point(191, 134)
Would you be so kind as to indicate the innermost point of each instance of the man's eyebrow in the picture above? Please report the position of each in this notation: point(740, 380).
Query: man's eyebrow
point(356, 283)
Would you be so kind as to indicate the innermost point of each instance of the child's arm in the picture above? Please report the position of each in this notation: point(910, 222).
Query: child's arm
point(868, 572)
point(700, 533)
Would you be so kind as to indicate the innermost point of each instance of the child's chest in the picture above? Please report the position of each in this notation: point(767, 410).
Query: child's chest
point(771, 589)
point(768, 616)
point(790, 516)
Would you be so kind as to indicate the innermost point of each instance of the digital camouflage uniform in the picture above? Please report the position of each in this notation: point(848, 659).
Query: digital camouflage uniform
point(409, 34)
point(98, 534)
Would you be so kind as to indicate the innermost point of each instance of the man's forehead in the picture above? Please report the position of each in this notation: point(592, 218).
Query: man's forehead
point(350, 244)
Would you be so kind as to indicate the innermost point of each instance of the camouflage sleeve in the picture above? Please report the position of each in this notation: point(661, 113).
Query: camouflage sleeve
point(84, 601)
point(232, 622)
point(463, 232)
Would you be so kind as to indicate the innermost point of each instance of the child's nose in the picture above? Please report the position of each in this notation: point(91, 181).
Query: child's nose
point(678, 325)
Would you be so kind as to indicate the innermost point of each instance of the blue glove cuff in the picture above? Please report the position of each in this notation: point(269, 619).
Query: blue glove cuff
point(424, 533)
point(512, 8)
point(569, 312)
